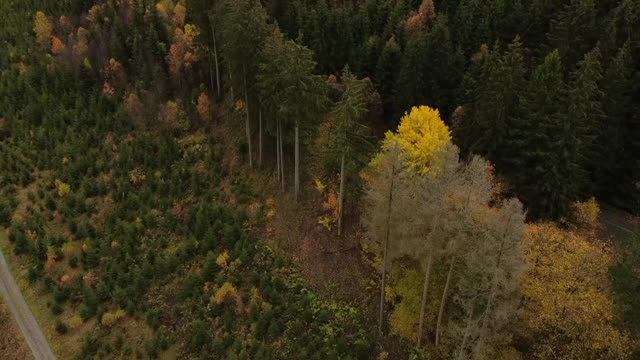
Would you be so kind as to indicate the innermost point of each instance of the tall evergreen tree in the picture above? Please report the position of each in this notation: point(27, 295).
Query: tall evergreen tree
point(294, 94)
point(411, 84)
point(585, 112)
point(493, 85)
point(244, 29)
point(387, 72)
point(350, 140)
point(616, 174)
point(430, 70)
point(541, 161)
point(573, 28)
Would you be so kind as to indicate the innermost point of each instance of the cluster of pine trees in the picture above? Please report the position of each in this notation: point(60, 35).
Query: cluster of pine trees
point(545, 90)
point(108, 109)
point(128, 221)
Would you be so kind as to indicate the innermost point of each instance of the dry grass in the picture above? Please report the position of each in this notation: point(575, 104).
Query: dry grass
point(12, 343)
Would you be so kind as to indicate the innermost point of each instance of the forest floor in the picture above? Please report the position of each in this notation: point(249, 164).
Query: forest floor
point(21, 313)
point(619, 224)
point(335, 267)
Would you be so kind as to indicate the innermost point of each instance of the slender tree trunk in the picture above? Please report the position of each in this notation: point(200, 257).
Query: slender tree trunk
point(215, 57)
point(297, 162)
point(491, 297)
point(282, 176)
point(385, 250)
point(444, 299)
point(494, 286)
point(467, 332)
point(211, 72)
point(233, 97)
point(341, 200)
point(423, 305)
point(278, 150)
point(260, 138)
point(382, 283)
point(248, 124)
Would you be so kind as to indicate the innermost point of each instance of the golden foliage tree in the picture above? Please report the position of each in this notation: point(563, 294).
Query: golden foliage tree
point(62, 187)
point(179, 14)
point(110, 318)
point(462, 240)
point(165, 8)
point(568, 306)
point(191, 33)
point(227, 293)
point(420, 135)
point(43, 27)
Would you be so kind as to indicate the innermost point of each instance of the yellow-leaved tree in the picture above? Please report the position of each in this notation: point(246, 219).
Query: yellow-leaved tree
point(179, 14)
point(457, 240)
point(421, 134)
point(568, 306)
point(43, 27)
point(409, 151)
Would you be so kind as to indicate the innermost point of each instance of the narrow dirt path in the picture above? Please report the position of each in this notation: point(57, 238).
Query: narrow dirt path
point(24, 318)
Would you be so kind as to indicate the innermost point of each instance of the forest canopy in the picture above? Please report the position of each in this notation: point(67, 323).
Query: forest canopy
point(317, 179)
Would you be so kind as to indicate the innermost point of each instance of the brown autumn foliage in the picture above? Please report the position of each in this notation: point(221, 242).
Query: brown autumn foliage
point(107, 89)
point(169, 113)
point(114, 77)
point(90, 279)
point(179, 14)
point(177, 51)
point(65, 24)
point(134, 108)
point(180, 211)
point(426, 14)
point(81, 45)
point(65, 280)
point(204, 107)
point(94, 13)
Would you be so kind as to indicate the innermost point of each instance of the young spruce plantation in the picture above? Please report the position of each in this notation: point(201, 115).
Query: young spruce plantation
point(322, 179)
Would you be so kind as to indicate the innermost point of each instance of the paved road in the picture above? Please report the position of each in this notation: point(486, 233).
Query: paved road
point(27, 323)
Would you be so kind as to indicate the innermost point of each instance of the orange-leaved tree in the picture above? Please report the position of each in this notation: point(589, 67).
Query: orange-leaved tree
point(203, 107)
